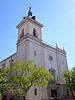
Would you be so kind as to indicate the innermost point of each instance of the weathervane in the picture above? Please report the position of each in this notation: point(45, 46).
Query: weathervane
point(30, 12)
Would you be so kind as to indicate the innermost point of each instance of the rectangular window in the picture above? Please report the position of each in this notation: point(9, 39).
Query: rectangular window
point(35, 91)
point(35, 52)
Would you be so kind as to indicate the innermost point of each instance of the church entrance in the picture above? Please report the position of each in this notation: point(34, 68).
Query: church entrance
point(53, 91)
point(54, 94)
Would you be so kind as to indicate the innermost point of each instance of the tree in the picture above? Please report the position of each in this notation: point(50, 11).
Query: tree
point(22, 75)
point(69, 76)
point(2, 81)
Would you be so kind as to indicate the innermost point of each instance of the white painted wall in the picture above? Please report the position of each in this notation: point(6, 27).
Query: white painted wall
point(21, 51)
point(61, 65)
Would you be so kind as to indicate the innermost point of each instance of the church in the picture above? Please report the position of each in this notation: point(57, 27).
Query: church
point(30, 46)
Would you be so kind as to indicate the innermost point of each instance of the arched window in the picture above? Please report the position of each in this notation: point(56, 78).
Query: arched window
point(22, 33)
point(52, 71)
point(34, 32)
point(50, 58)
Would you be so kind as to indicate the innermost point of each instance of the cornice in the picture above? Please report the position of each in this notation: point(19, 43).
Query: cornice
point(8, 57)
point(39, 41)
point(29, 19)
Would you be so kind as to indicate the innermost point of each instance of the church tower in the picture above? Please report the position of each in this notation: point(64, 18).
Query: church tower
point(28, 46)
point(28, 29)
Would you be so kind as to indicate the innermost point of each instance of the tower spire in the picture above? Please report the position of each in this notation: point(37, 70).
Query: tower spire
point(30, 12)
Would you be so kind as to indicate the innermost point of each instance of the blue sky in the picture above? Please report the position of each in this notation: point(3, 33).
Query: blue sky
point(58, 17)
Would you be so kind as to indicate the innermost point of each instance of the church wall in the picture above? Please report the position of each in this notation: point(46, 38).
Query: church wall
point(58, 61)
point(8, 61)
point(31, 94)
point(21, 51)
point(62, 65)
point(35, 57)
point(50, 62)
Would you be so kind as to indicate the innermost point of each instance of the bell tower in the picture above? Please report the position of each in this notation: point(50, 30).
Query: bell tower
point(29, 25)
point(27, 28)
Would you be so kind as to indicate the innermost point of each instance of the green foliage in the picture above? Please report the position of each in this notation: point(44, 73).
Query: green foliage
point(1, 78)
point(2, 81)
point(69, 76)
point(22, 75)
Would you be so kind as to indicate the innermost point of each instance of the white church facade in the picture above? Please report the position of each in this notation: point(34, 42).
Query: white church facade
point(30, 46)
